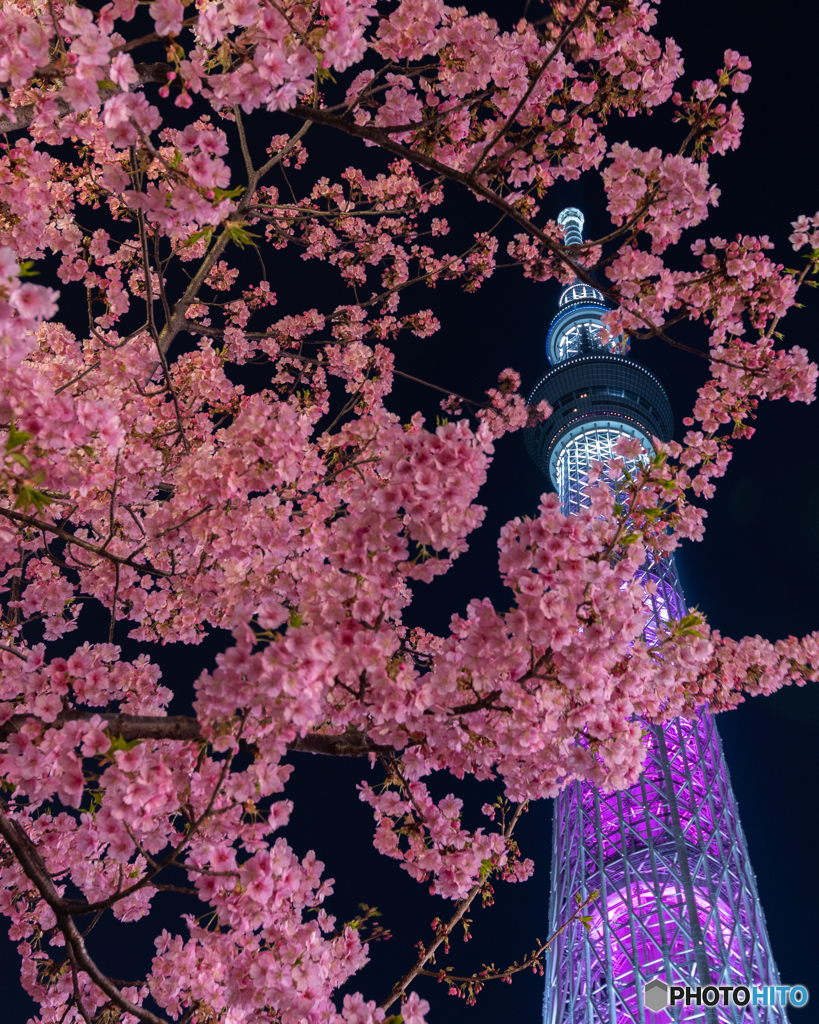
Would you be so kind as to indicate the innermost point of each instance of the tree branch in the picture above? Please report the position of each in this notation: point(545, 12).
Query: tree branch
point(446, 172)
point(445, 930)
point(24, 115)
point(473, 983)
point(532, 86)
point(69, 538)
point(186, 729)
point(217, 332)
point(33, 866)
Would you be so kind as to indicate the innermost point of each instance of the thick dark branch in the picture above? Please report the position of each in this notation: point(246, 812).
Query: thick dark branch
point(185, 728)
point(30, 861)
point(350, 744)
point(77, 944)
point(156, 73)
point(35, 870)
point(151, 37)
point(480, 705)
point(130, 727)
point(23, 116)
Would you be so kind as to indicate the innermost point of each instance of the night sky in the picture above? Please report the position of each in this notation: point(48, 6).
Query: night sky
point(755, 572)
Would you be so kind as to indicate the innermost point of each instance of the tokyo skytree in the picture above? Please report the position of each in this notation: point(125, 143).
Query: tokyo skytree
point(678, 898)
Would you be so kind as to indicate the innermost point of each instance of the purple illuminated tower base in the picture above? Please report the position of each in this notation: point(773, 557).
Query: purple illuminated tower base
point(678, 899)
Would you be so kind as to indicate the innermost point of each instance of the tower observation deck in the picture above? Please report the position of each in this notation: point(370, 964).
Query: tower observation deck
point(678, 898)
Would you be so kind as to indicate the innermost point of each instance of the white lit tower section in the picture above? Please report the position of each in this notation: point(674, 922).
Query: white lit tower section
point(678, 896)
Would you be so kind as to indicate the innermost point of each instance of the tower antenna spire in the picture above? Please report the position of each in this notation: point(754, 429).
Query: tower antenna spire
point(572, 220)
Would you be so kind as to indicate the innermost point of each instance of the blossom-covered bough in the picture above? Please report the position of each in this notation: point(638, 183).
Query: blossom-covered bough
point(139, 476)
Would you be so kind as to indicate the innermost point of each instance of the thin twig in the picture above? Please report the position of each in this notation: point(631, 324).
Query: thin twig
point(274, 160)
point(39, 524)
point(35, 870)
point(445, 930)
point(217, 332)
point(251, 173)
point(532, 86)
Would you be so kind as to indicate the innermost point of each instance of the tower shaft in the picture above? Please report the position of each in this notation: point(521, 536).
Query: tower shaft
point(678, 898)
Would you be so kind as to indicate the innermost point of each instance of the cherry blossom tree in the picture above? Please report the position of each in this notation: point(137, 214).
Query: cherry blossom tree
point(154, 157)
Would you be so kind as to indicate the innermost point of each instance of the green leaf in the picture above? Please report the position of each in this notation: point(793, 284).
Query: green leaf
point(324, 75)
point(486, 868)
point(238, 234)
point(225, 193)
point(206, 232)
point(17, 437)
point(27, 269)
point(689, 625)
point(120, 743)
point(370, 911)
point(29, 496)
point(586, 922)
point(295, 619)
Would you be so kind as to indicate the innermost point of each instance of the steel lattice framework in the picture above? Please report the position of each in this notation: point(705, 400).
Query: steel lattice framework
point(678, 898)
point(575, 452)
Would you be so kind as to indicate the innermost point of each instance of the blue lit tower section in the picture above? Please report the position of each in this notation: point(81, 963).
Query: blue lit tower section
point(678, 896)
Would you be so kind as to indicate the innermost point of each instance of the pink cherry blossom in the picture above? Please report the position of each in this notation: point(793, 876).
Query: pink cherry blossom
point(415, 1009)
point(167, 15)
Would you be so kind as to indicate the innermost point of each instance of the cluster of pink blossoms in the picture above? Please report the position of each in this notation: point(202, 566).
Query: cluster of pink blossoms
point(805, 232)
point(298, 510)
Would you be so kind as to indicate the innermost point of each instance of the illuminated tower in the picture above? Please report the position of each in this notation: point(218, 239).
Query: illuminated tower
point(678, 896)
